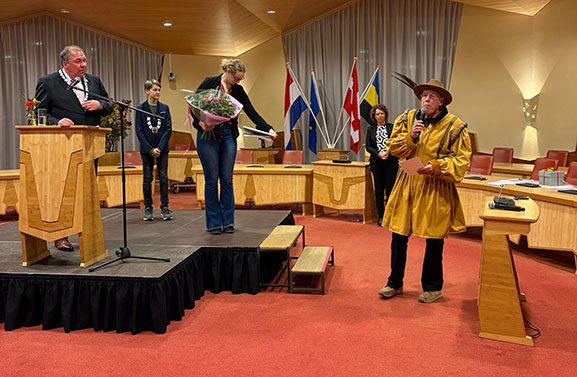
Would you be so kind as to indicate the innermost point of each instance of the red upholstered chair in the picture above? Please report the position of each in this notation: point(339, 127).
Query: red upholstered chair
point(543, 163)
point(132, 158)
point(180, 147)
point(503, 154)
point(292, 158)
point(481, 164)
point(243, 157)
point(571, 176)
point(561, 156)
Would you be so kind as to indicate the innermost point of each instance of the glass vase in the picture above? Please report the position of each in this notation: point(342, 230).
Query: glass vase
point(30, 120)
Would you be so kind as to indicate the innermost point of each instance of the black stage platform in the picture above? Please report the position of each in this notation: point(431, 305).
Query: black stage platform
point(136, 295)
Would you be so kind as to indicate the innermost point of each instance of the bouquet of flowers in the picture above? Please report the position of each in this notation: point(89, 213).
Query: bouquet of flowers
point(213, 107)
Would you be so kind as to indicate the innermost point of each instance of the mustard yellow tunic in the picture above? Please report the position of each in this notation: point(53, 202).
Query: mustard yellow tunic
point(429, 206)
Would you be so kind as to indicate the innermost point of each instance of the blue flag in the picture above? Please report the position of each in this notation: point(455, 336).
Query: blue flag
point(314, 99)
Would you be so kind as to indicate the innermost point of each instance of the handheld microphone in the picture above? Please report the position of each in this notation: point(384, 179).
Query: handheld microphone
point(73, 83)
point(420, 115)
point(494, 205)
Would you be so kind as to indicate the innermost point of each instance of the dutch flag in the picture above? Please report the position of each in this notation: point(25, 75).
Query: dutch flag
point(294, 107)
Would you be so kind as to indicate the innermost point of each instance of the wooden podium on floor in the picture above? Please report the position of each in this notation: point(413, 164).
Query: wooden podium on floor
point(499, 304)
point(58, 191)
point(344, 186)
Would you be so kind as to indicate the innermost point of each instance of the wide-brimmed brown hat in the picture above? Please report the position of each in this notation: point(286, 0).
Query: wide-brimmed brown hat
point(436, 86)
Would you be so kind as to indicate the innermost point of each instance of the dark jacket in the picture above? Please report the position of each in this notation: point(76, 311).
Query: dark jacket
point(371, 146)
point(240, 95)
point(61, 103)
point(148, 140)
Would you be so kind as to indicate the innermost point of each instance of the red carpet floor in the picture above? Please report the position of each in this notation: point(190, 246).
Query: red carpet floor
point(350, 331)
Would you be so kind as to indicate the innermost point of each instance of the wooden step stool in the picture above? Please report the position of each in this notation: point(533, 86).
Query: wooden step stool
point(282, 239)
point(312, 261)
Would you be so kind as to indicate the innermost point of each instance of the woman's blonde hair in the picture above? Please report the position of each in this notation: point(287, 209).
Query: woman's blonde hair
point(233, 65)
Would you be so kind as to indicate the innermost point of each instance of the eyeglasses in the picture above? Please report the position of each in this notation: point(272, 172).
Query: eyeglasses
point(237, 79)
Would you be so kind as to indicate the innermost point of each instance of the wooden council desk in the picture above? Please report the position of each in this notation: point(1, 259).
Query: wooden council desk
point(555, 229)
point(181, 163)
point(517, 170)
point(267, 185)
point(344, 186)
point(9, 189)
point(109, 181)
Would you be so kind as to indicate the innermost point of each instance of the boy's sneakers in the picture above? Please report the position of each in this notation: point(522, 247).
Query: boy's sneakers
point(166, 214)
point(388, 292)
point(430, 296)
point(148, 214)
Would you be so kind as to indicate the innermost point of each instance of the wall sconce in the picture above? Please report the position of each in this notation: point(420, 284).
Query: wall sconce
point(530, 107)
point(530, 145)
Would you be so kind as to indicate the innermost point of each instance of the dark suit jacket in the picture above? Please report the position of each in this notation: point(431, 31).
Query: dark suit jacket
point(148, 140)
point(61, 103)
point(371, 146)
point(240, 95)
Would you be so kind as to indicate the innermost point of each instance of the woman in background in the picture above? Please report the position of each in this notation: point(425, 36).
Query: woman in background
point(218, 152)
point(384, 166)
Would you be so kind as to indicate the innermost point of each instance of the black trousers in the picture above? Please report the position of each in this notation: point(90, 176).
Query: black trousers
point(148, 178)
point(384, 176)
point(432, 274)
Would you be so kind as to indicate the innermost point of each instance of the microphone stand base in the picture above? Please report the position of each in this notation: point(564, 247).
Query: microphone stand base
point(124, 253)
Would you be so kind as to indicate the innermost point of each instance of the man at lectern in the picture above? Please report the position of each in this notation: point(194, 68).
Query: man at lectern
point(66, 106)
point(426, 204)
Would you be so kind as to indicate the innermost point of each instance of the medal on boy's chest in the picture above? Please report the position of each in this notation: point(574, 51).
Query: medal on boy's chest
point(153, 129)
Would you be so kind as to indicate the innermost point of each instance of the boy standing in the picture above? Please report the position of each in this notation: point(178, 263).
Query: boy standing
point(153, 134)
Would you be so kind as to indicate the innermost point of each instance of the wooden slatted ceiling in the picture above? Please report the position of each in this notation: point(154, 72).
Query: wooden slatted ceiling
point(206, 27)
point(526, 7)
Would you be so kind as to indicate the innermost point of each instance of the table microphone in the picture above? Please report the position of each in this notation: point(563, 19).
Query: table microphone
point(494, 205)
point(73, 83)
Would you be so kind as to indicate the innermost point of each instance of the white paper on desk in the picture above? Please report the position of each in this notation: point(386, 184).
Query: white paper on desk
point(411, 166)
point(512, 181)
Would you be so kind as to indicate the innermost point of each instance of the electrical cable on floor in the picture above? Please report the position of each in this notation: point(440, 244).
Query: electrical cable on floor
point(534, 328)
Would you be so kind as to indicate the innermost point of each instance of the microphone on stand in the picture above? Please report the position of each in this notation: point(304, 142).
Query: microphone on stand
point(420, 115)
point(73, 83)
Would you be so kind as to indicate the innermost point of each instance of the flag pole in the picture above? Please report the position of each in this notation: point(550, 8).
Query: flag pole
point(344, 98)
point(369, 84)
point(320, 103)
point(305, 99)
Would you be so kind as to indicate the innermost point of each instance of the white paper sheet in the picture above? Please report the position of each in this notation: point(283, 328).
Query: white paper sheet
point(514, 181)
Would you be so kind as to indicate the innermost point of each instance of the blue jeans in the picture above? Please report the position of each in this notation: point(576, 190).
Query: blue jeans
point(217, 155)
point(148, 178)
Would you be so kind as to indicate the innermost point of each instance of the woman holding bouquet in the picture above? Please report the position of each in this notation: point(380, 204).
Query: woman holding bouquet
point(217, 146)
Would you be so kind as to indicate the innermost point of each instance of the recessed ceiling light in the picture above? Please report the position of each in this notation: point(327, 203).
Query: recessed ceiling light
point(167, 23)
point(65, 11)
point(271, 11)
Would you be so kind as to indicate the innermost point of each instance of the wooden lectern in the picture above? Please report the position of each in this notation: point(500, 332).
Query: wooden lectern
point(58, 191)
point(499, 304)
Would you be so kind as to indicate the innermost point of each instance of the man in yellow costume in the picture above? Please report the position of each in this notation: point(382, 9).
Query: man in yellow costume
point(426, 204)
